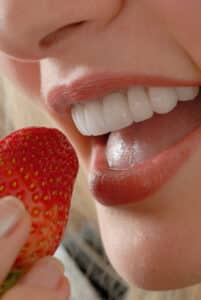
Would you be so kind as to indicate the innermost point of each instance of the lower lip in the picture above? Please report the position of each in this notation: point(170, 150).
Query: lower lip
point(120, 187)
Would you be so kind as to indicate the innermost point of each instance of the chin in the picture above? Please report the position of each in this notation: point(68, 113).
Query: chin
point(156, 253)
point(150, 271)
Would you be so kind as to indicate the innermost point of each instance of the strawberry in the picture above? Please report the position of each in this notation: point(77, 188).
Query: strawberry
point(39, 167)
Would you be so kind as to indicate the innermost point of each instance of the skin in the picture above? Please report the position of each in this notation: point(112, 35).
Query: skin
point(45, 280)
point(161, 248)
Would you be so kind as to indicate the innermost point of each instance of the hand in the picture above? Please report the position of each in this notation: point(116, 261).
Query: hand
point(45, 280)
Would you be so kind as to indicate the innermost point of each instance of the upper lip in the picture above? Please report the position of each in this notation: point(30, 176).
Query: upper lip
point(97, 85)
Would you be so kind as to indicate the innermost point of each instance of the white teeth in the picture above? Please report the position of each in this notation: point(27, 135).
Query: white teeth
point(139, 104)
point(79, 118)
point(117, 111)
point(163, 99)
point(94, 118)
point(187, 93)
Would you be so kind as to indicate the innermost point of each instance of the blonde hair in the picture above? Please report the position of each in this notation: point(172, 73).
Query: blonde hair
point(16, 111)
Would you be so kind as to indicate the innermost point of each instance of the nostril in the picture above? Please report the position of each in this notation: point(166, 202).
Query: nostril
point(58, 34)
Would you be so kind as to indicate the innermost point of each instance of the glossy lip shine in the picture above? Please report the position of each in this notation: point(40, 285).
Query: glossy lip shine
point(93, 86)
point(120, 187)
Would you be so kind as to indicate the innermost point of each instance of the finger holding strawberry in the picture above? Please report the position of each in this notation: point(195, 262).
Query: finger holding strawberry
point(39, 167)
point(45, 279)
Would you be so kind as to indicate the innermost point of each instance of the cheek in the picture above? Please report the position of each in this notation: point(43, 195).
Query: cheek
point(156, 245)
point(185, 13)
point(25, 75)
point(182, 19)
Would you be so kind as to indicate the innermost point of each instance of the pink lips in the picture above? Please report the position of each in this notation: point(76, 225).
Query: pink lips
point(160, 145)
point(93, 86)
point(112, 187)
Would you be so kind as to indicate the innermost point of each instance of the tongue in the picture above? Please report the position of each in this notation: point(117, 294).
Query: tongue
point(141, 141)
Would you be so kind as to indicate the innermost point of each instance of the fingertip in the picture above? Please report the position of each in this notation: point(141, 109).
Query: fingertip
point(64, 287)
point(48, 272)
point(58, 262)
point(13, 217)
point(50, 260)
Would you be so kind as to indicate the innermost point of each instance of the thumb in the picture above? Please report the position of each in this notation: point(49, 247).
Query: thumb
point(15, 225)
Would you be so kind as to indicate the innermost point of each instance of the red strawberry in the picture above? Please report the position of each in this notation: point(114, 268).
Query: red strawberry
point(39, 166)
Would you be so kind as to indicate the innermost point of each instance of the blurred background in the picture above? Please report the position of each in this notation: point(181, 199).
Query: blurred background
point(90, 273)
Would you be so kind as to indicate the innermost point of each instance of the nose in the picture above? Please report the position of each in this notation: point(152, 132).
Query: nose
point(32, 30)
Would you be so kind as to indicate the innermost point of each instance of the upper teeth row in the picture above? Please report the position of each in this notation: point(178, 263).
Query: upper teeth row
point(119, 110)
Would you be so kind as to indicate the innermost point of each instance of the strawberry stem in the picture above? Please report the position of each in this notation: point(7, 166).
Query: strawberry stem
point(11, 280)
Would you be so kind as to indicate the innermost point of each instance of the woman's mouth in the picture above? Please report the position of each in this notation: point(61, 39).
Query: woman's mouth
point(120, 110)
point(141, 136)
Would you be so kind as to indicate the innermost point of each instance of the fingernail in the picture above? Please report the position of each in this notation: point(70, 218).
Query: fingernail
point(11, 212)
point(47, 273)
